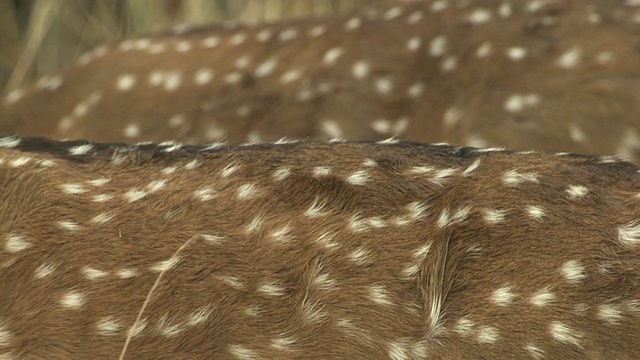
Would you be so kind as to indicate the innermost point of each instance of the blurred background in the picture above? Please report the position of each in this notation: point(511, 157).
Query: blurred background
point(40, 36)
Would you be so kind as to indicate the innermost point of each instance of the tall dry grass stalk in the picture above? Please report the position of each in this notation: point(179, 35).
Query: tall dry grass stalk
point(41, 36)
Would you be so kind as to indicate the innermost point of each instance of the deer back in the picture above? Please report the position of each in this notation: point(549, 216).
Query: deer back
point(385, 250)
point(547, 75)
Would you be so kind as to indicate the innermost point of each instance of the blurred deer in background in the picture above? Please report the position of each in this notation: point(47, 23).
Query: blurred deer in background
point(384, 250)
point(549, 75)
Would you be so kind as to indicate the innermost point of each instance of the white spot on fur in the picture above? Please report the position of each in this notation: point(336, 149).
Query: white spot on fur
point(439, 5)
point(233, 77)
point(281, 173)
point(534, 351)
point(384, 85)
point(126, 273)
point(416, 90)
point(254, 225)
point(503, 296)
point(505, 10)
point(5, 337)
point(415, 17)
point(414, 43)
point(438, 46)
point(183, 46)
point(480, 16)
point(264, 35)
point(488, 335)
point(321, 171)
point(281, 234)
point(332, 55)
point(80, 149)
point(44, 270)
point(126, 82)
point(73, 189)
point(577, 134)
point(393, 13)
point(238, 39)
point(513, 177)
point(172, 81)
point(288, 34)
point(484, 49)
point(203, 76)
point(21, 161)
point(93, 274)
point(359, 256)
point(449, 64)
point(353, 23)
point(14, 96)
point(233, 282)
point(317, 30)
point(605, 57)
point(165, 265)
point(241, 352)
point(16, 244)
point(102, 198)
point(464, 326)
point(564, 334)
point(212, 239)
point(157, 48)
point(398, 350)
point(72, 300)
point(271, 289)
point(9, 142)
point(516, 53)
point(442, 175)
point(137, 328)
point(577, 191)
point(228, 170)
point(68, 225)
point(359, 177)
point(284, 343)
point(542, 298)
point(326, 240)
point(131, 131)
point(610, 313)
point(266, 68)
point(629, 235)
point(247, 191)
point(133, 195)
point(493, 216)
point(421, 169)
point(446, 219)
point(535, 212)
point(199, 316)
point(357, 224)
point(107, 326)
point(316, 209)
point(451, 116)
point(573, 271)
point(380, 295)
point(570, 58)
point(243, 61)
point(419, 255)
point(291, 76)
point(519, 102)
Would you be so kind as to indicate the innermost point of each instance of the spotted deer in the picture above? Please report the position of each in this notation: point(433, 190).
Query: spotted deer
point(556, 75)
point(312, 250)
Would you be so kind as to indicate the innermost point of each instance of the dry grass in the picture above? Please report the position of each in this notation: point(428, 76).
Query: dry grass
point(41, 36)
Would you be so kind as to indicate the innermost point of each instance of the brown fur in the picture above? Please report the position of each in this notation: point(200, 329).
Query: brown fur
point(589, 108)
point(370, 290)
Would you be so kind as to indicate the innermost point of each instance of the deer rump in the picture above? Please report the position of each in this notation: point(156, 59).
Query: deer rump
point(385, 250)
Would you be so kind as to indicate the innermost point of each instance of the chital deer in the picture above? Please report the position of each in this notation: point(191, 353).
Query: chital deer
point(383, 250)
point(550, 75)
